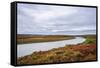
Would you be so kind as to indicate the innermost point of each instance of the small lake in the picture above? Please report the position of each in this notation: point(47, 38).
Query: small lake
point(27, 49)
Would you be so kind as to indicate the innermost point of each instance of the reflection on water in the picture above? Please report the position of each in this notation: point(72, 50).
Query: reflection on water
point(26, 49)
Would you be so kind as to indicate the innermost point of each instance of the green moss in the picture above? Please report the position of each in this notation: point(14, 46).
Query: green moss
point(90, 41)
point(35, 57)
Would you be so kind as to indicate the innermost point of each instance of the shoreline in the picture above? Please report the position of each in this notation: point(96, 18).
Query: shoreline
point(85, 51)
point(42, 38)
point(69, 53)
point(45, 46)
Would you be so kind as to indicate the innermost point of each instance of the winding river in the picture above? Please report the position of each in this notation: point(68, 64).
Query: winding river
point(26, 49)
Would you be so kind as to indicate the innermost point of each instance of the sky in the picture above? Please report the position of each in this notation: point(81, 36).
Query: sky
point(55, 20)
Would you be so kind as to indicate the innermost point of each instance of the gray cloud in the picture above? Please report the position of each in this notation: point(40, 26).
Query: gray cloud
point(44, 19)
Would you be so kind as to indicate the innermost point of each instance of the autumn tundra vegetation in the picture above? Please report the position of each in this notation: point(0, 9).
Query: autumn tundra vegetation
point(85, 51)
point(23, 39)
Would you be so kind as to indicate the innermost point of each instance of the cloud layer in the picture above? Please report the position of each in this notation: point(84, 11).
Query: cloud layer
point(44, 19)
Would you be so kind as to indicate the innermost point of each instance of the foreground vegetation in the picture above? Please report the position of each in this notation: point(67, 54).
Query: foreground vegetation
point(80, 52)
point(22, 39)
point(63, 54)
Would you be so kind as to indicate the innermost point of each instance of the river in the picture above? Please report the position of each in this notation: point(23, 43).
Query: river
point(27, 49)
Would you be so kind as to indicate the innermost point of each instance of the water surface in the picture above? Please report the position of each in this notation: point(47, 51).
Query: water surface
point(26, 49)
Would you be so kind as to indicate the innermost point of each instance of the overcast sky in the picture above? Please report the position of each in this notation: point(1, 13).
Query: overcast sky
point(44, 19)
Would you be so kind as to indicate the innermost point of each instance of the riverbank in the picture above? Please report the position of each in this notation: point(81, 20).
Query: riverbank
point(23, 39)
point(85, 51)
point(26, 49)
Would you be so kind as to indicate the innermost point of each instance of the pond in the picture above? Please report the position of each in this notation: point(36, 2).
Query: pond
point(27, 49)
